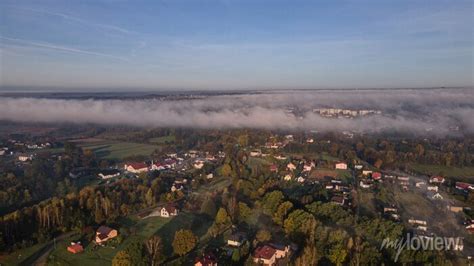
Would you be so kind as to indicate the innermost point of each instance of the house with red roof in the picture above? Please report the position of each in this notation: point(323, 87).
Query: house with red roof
point(376, 175)
point(75, 248)
point(464, 186)
point(270, 253)
point(470, 228)
point(437, 179)
point(273, 168)
point(136, 168)
point(158, 167)
point(206, 260)
point(265, 255)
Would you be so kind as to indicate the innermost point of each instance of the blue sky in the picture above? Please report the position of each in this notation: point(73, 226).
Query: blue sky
point(236, 44)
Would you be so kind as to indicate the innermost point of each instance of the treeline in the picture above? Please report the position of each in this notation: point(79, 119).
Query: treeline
point(387, 153)
point(75, 211)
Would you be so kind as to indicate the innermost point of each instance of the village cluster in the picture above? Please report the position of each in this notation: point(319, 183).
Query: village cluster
point(343, 181)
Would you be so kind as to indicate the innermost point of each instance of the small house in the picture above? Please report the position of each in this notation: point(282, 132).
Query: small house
point(104, 234)
point(109, 173)
point(75, 248)
point(437, 180)
point(287, 177)
point(168, 211)
point(376, 175)
point(341, 166)
point(236, 239)
point(207, 259)
point(338, 200)
point(269, 254)
point(198, 164)
point(136, 168)
point(273, 168)
point(291, 166)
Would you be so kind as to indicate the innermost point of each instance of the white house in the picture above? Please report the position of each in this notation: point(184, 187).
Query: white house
point(136, 168)
point(236, 240)
point(300, 179)
point(432, 188)
point(291, 166)
point(210, 176)
point(157, 167)
point(2, 152)
point(198, 164)
point(256, 153)
point(366, 172)
point(107, 174)
point(308, 166)
point(168, 211)
point(363, 184)
point(287, 177)
point(437, 180)
point(420, 184)
point(280, 157)
point(341, 165)
point(25, 157)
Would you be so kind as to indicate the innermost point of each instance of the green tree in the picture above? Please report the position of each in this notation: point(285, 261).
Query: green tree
point(271, 201)
point(136, 251)
point(244, 211)
point(281, 212)
point(295, 223)
point(149, 197)
point(236, 255)
point(263, 235)
point(222, 218)
point(122, 258)
point(184, 241)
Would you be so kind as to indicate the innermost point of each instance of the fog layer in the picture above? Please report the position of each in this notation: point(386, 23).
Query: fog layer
point(437, 111)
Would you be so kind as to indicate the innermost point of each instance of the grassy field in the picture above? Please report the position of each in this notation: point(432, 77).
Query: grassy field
point(367, 203)
point(18, 257)
point(104, 255)
point(145, 228)
point(118, 150)
point(328, 157)
point(162, 140)
point(444, 170)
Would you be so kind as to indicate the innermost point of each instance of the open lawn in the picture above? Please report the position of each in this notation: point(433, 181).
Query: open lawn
point(118, 150)
point(20, 256)
point(145, 228)
point(328, 157)
point(319, 173)
point(444, 170)
point(162, 140)
point(104, 255)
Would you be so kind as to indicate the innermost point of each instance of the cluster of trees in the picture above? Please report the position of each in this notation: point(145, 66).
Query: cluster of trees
point(394, 152)
point(89, 206)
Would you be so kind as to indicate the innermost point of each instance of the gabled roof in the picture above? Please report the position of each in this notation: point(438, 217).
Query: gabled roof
point(264, 252)
point(104, 230)
point(170, 208)
point(207, 259)
point(76, 248)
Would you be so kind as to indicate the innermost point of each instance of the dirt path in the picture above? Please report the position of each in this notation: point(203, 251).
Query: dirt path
point(41, 257)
